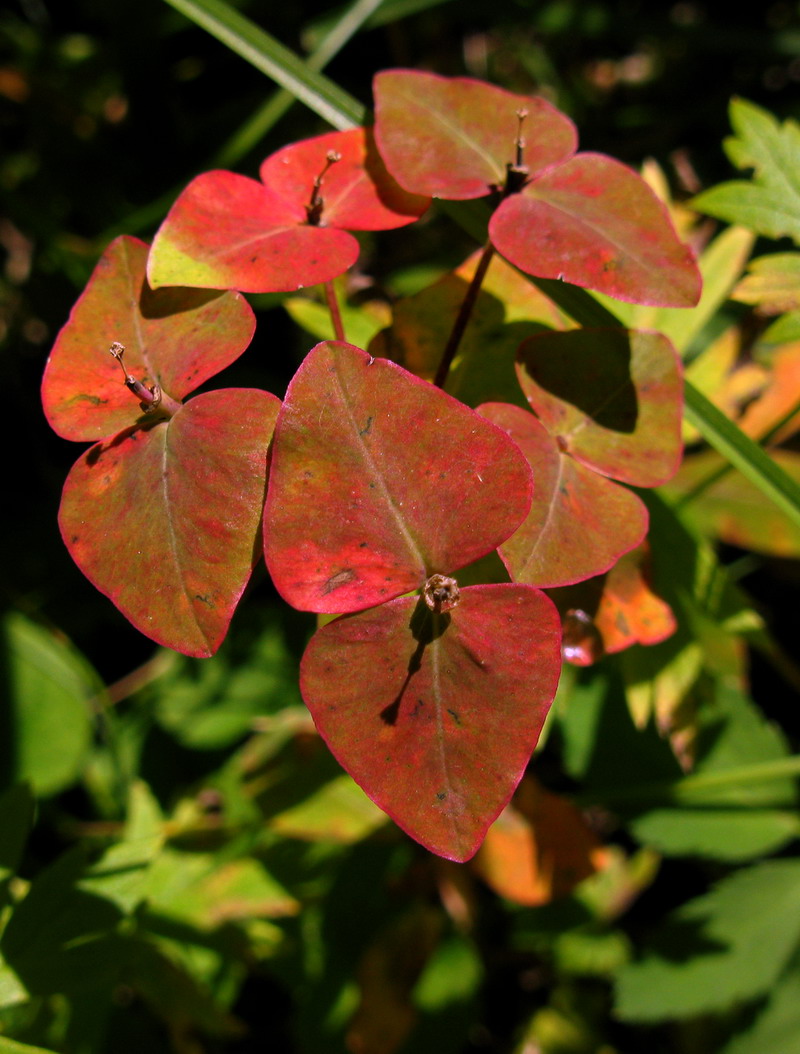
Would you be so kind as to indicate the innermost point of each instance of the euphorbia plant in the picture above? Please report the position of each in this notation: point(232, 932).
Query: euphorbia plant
point(377, 485)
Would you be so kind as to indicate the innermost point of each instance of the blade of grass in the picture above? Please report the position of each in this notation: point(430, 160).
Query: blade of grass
point(269, 56)
point(255, 127)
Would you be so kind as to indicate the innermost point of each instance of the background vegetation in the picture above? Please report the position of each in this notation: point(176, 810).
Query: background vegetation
point(199, 876)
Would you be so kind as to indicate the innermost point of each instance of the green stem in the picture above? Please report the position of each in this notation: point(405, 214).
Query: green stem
point(333, 307)
point(464, 314)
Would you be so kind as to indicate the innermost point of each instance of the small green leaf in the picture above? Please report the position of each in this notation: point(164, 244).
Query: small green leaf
point(53, 692)
point(770, 203)
point(731, 944)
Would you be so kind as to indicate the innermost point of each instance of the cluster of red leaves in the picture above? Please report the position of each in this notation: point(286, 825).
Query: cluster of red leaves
point(381, 486)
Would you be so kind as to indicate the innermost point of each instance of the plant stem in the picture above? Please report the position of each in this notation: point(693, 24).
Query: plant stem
point(333, 307)
point(463, 317)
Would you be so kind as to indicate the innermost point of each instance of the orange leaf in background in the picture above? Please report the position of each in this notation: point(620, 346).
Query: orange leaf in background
point(780, 396)
point(629, 611)
point(539, 848)
point(611, 612)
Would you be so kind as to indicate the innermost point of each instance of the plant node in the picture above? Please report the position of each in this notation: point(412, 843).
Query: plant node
point(149, 398)
point(441, 593)
point(317, 203)
point(517, 173)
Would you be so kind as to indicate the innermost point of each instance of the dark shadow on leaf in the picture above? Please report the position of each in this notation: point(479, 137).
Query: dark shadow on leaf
point(682, 940)
point(588, 368)
point(174, 300)
point(426, 627)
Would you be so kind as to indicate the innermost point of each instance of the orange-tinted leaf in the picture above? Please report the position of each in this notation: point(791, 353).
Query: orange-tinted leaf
point(539, 848)
point(579, 522)
point(357, 191)
point(452, 137)
point(596, 223)
point(165, 520)
point(380, 480)
point(175, 338)
point(436, 716)
point(629, 611)
point(612, 398)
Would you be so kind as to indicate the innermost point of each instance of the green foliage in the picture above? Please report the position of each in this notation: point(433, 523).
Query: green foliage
point(770, 202)
point(732, 944)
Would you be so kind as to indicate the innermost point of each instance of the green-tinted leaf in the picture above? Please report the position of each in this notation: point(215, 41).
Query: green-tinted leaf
point(770, 203)
point(369, 467)
point(121, 873)
point(612, 397)
point(452, 137)
point(175, 338)
point(731, 944)
point(53, 693)
point(451, 706)
point(165, 521)
point(580, 522)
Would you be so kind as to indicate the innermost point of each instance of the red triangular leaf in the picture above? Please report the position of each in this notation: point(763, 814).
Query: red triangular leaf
point(357, 190)
point(596, 223)
point(165, 520)
point(437, 716)
point(452, 137)
point(379, 480)
point(612, 398)
point(579, 524)
point(176, 338)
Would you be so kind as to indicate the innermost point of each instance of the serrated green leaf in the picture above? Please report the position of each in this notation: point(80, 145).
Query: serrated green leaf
point(770, 203)
point(731, 944)
point(777, 1026)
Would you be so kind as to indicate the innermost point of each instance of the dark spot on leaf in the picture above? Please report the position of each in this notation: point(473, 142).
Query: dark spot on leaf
point(365, 430)
point(441, 795)
point(74, 539)
point(362, 545)
point(454, 716)
point(341, 578)
point(308, 474)
point(204, 599)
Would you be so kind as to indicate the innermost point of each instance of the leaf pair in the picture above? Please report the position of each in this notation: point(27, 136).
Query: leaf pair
point(379, 482)
point(163, 514)
point(584, 218)
point(288, 231)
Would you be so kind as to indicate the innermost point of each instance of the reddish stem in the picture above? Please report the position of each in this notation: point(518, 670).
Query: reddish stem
point(333, 307)
point(463, 317)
